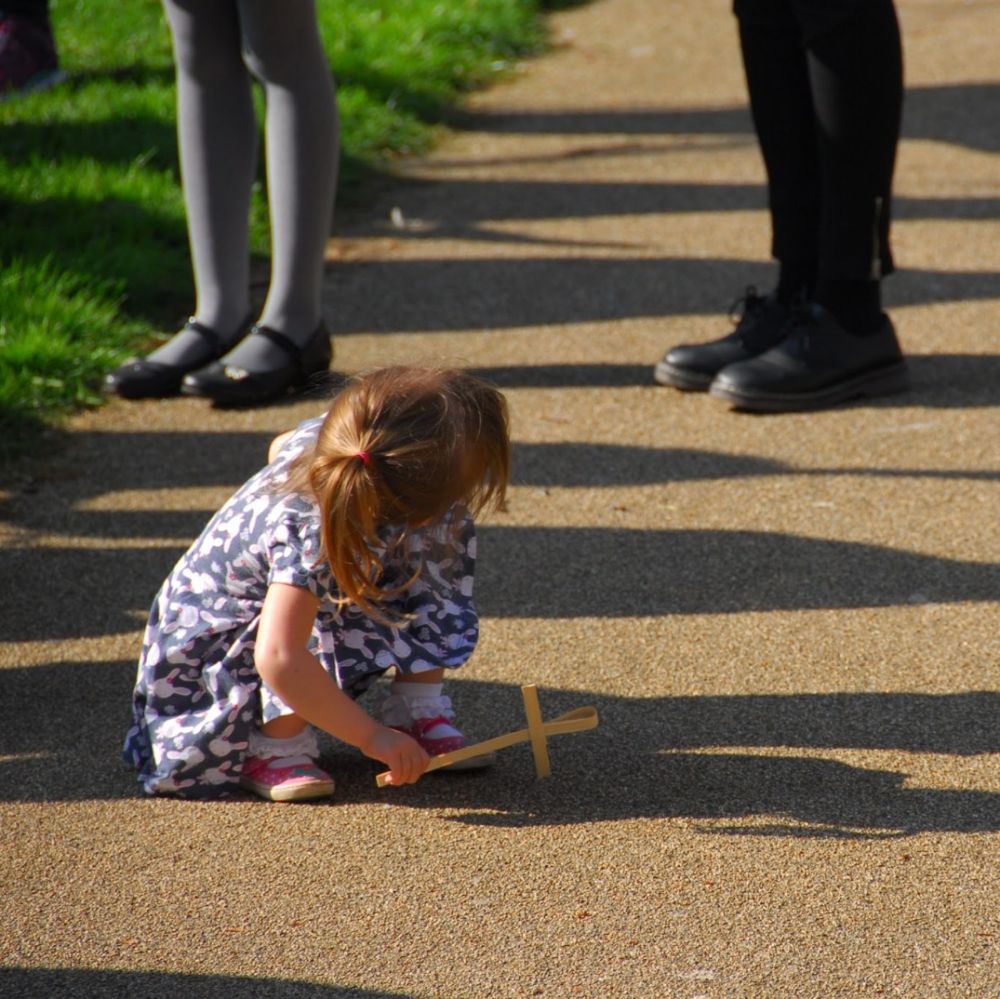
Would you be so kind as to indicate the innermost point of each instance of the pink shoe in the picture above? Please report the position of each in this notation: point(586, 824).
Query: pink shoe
point(421, 729)
point(425, 715)
point(292, 778)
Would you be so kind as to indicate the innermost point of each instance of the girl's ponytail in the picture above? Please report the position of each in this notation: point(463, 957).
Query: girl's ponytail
point(345, 488)
point(400, 446)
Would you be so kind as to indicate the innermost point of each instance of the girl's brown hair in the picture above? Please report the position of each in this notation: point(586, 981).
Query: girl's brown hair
point(401, 446)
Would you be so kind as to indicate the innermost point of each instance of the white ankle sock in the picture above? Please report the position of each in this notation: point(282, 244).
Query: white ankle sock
point(407, 701)
point(303, 744)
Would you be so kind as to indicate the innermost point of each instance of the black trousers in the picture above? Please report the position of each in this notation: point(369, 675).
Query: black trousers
point(825, 79)
point(34, 8)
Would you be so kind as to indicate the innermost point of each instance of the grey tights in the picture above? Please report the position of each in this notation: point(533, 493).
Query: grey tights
point(219, 46)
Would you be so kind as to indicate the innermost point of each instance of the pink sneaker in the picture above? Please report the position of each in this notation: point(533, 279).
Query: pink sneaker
point(425, 714)
point(422, 729)
point(291, 778)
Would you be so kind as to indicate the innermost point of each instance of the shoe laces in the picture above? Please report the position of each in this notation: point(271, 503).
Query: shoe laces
point(745, 305)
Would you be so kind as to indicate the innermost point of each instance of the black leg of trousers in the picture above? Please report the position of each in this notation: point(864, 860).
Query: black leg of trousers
point(777, 74)
point(32, 8)
point(826, 83)
point(856, 78)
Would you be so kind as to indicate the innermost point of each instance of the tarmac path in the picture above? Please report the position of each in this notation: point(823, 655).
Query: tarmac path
point(788, 624)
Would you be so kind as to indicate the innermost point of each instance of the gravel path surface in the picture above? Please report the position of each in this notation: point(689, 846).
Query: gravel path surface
point(788, 624)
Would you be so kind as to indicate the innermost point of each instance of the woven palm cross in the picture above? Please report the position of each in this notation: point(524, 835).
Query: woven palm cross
point(537, 733)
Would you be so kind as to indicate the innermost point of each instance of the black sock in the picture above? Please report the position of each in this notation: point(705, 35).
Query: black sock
point(856, 305)
point(796, 281)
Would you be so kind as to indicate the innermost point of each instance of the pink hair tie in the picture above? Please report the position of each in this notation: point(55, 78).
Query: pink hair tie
point(365, 459)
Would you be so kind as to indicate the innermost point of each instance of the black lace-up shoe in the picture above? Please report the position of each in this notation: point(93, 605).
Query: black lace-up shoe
point(760, 322)
point(818, 364)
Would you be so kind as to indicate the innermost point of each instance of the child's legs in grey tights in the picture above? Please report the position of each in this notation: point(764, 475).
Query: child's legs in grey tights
point(279, 41)
point(284, 52)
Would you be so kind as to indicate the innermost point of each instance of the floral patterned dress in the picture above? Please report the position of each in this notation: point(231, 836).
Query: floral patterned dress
point(198, 692)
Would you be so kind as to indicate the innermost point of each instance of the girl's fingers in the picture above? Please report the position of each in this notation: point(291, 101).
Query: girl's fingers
point(416, 764)
point(408, 764)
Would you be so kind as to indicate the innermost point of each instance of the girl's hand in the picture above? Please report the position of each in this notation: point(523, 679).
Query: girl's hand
point(404, 756)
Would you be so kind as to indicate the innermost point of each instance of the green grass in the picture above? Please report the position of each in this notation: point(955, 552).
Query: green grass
point(93, 243)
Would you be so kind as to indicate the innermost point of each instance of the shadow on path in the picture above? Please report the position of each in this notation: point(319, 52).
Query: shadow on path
point(571, 463)
point(624, 572)
point(503, 293)
point(682, 757)
point(617, 571)
point(939, 381)
point(614, 572)
point(693, 758)
point(63, 983)
point(963, 114)
point(455, 208)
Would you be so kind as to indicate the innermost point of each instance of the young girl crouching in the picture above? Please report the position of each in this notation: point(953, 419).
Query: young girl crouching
point(350, 554)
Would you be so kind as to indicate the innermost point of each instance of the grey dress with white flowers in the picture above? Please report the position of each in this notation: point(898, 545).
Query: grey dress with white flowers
point(198, 692)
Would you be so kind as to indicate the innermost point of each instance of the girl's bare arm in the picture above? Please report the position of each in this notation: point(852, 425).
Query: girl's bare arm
point(296, 676)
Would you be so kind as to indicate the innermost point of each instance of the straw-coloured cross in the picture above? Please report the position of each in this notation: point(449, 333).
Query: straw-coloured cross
point(537, 733)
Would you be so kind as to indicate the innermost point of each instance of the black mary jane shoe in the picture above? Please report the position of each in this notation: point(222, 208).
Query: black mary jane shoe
point(144, 379)
point(229, 385)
